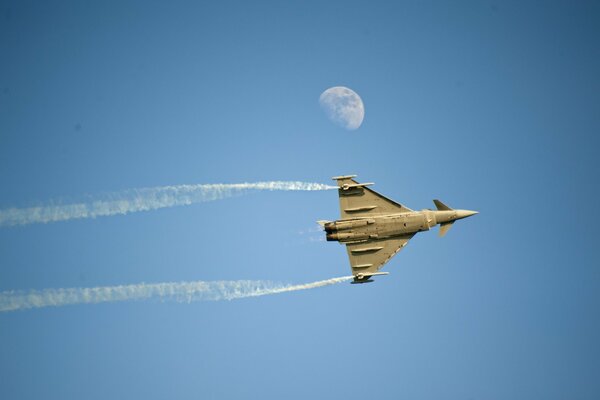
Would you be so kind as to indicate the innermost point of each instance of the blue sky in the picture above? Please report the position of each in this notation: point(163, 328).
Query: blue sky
point(486, 106)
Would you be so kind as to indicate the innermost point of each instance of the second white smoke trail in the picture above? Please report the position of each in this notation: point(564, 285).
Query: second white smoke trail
point(145, 199)
point(168, 291)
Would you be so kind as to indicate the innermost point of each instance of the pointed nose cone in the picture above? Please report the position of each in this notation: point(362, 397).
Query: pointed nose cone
point(460, 214)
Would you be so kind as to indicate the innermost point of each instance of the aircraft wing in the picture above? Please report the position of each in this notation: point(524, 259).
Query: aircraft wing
point(370, 256)
point(358, 201)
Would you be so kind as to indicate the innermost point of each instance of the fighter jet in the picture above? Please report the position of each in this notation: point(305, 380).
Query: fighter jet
point(375, 228)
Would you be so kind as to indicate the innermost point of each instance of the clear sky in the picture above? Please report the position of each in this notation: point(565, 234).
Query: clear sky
point(490, 106)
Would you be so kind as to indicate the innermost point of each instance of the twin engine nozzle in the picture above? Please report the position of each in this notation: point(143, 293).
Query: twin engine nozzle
point(329, 227)
point(333, 229)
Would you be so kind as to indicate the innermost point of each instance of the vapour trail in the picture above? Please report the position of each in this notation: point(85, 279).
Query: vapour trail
point(144, 199)
point(183, 292)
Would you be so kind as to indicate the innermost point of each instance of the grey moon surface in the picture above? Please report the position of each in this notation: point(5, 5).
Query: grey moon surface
point(343, 106)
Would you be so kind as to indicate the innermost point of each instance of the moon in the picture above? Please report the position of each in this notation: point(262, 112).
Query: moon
point(343, 106)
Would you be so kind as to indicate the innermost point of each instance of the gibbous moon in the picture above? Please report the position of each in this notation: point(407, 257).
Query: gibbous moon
point(343, 106)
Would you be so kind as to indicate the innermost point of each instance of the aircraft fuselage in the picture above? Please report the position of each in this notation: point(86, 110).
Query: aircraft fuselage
point(392, 225)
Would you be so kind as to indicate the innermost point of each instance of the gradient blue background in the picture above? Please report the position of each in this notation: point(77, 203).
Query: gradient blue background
point(487, 106)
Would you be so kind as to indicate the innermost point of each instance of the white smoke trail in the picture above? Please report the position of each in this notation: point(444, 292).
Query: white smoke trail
point(168, 291)
point(145, 199)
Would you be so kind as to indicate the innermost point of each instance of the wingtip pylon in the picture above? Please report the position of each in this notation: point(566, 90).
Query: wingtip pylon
point(337, 178)
point(366, 277)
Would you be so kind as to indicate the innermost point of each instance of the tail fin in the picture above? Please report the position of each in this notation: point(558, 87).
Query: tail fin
point(441, 206)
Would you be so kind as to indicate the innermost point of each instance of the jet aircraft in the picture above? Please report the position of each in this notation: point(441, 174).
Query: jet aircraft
point(375, 228)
